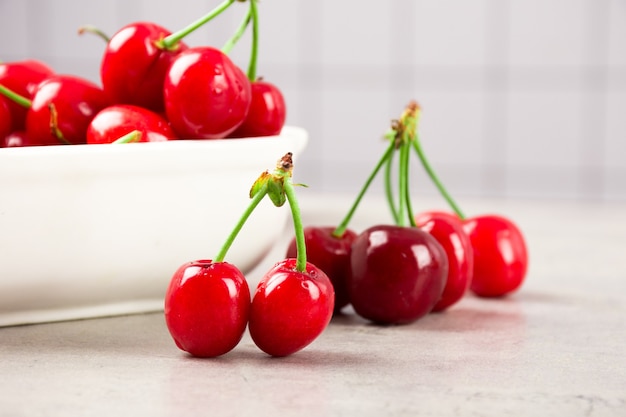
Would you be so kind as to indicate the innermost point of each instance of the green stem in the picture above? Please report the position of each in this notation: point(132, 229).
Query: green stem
point(95, 31)
point(402, 181)
point(389, 189)
point(405, 153)
point(130, 137)
point(433, 176)
point(170, 42)
point(21, 100)
point(254, 52)
point(228, 46)
point(256, 199)
point(297, 224)
point(340, 230)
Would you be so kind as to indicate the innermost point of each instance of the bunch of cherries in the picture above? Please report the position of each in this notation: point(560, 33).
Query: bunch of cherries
point(154, 88)
point(208, 304)
point(398, 273)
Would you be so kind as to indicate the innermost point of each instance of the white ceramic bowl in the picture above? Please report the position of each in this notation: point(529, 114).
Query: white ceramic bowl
point(89, 230)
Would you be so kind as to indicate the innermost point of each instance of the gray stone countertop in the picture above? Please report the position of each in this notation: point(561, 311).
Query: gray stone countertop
point(557, 347)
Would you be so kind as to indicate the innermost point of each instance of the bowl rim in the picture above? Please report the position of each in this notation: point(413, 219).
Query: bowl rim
point(177, 144)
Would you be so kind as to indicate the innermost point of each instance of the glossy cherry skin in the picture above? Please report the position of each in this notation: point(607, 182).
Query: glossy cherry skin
point(290, 309)
point(397, 274)
point(267, 112)
point(22, 77)
point(6, 124)
point(115, 121)
point(330, 254)
point(206, 95)
point(447, 228)
point(76, 102)
point(16, 139)
point(500, 255)
point(207, 305)
point(133, 66)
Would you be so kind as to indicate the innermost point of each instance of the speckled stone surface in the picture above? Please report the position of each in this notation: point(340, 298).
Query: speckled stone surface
point(555, 348)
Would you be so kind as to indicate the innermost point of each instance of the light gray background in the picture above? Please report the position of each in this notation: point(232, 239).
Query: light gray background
point(520, 98)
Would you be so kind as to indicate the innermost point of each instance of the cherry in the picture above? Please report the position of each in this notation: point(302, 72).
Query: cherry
point(290, 308)
point(500, 255)
point(16, 139)
point(397, 274)
point(6, 124)
point(499, 249)
point(134, 65)
point(62, 108)
point(267, 113)
point(115, 121)
point(138, 56)
point(447, 228)
point(22, 78)
point(207, 306)
point(331, 254)
point(206, 95)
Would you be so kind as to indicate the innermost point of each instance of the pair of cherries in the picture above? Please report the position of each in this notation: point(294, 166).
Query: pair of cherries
point(46, 108)
point(208, 303)
point(199, 91)
point(395, 274)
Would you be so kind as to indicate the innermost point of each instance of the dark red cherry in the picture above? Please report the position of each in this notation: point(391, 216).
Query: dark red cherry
point(330, 254)
point(397, 274)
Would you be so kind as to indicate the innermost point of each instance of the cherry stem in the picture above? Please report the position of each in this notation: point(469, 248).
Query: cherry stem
point(95, 31)
point(256, 199)
point(433, 176)
point(255, 41)
point(55, 130)
point(134, 136)
point(341, 229)
point(405, 191)
point(389, 189)
point(228, 46)
point(297, 224)
point(21, 100)
point(170, 42)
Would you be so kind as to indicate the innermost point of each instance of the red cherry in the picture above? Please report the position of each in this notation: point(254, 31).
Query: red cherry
point(6, 124)
point(447, 228)
point(206, 95)
point(207, 306)
point(500, 255)
point(290, 309)
point(133, 67)
point(16, 139)
point(330, 254)
point(267, 112)
point(22, 77)
point(61, 110)
point(397, 274)
point(115, 121)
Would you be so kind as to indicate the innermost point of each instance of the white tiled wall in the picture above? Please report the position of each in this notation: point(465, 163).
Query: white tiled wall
point(520, 98)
